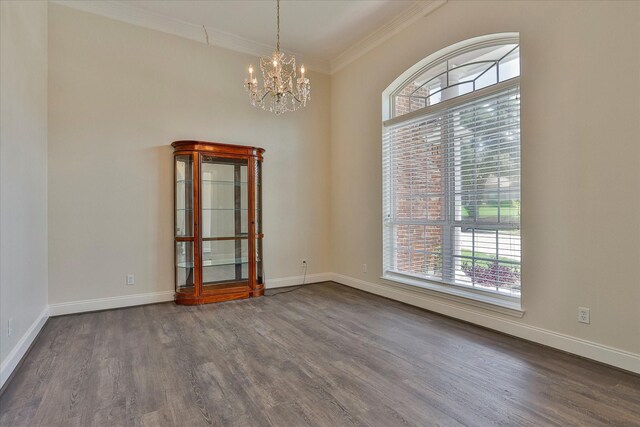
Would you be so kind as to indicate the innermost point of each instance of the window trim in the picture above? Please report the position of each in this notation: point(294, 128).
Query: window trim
point(505, 304)
point(487, 300)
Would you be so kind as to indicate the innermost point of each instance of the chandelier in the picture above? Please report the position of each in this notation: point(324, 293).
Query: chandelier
point(281, 91)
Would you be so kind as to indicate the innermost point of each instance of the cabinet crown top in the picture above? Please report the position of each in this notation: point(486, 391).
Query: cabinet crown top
point(216, 147)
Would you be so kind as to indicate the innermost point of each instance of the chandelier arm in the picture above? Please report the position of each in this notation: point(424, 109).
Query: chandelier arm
point(293, 95)
point(264, 95)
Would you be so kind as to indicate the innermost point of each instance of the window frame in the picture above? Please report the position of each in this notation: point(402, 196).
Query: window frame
point(496, 301)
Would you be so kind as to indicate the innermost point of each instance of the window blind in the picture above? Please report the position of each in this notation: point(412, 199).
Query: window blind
point(451, 192)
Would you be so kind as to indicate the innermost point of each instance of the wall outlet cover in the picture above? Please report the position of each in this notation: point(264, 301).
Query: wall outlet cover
point(584, 315)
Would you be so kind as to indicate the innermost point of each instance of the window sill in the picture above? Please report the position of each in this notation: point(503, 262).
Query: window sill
point(510, 307)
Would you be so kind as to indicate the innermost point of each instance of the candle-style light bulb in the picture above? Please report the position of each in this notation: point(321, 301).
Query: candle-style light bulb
point(302, 70)
point(275, 63)
point(250, 69)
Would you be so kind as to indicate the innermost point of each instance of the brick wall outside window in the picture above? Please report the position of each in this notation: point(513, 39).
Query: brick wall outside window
point(419, 196)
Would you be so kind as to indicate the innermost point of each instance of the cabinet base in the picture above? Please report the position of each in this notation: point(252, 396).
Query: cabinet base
point(258, 291)
point(220, 295)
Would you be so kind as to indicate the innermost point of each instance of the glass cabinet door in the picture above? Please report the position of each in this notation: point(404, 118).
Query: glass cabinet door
point(184, 256)
point(224, 210)
point(258, 222)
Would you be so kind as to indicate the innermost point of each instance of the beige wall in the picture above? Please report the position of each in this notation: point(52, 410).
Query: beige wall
point(23, 170)
point(119, 95)
point(580, 111)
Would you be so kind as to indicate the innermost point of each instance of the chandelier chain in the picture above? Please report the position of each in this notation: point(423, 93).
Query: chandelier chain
point(278, 26)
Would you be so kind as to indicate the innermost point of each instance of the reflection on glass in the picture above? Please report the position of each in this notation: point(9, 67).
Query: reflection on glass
point(225, 213)
point(258, 197)
point(184, 267)
point(222, 223)
point(224, 197)
point(259, 270)
point(457, 90)
point(224, 261)
point(510, 65)
point(433, 74)
point(184, 196)
point(468, 72)
point(488, 78)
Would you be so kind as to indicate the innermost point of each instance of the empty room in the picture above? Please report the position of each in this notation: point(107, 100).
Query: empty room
point(319, 213)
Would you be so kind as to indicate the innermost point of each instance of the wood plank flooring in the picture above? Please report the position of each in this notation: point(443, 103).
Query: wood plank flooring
point(322, 355)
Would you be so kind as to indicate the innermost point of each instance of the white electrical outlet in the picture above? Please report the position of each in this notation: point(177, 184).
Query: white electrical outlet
point(10, 326)
point(583, 315)
point(130, 279)
point(364, 268)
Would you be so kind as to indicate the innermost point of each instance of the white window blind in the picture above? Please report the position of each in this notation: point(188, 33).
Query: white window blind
point(451, 192)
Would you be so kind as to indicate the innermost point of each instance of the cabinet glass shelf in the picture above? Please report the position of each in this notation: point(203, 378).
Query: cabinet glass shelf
point(206, 264)
point(214, 238)
point(215, 181)
point(225, 209)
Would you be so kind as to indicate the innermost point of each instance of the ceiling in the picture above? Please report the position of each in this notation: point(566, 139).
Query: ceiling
point(327, 34)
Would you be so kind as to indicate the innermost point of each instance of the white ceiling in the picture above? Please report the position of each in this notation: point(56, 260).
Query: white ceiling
point(322, 29)
point(326, 33)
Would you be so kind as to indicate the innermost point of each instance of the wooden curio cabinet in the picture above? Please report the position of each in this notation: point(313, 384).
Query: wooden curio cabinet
point(218, 222)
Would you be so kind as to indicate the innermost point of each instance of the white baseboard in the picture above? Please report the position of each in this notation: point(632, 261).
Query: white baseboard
point(13, 358)
point(109, 302)
point(611, 356)
point(297, 280)
point(82, 306)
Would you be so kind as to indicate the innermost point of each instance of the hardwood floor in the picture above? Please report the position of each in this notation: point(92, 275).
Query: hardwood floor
point(324, 354)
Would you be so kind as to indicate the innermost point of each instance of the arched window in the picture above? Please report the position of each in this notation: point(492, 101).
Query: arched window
point(451, 172)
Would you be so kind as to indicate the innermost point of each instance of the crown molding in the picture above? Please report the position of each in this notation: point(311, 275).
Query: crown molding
point(143, 18)
point(243, 45)
point(419, 10)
